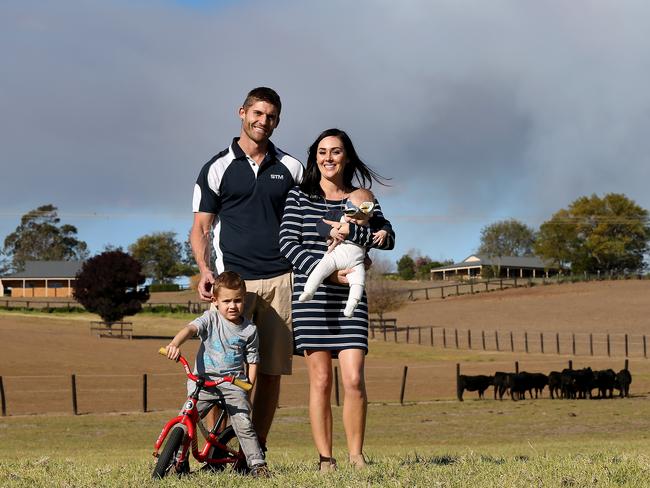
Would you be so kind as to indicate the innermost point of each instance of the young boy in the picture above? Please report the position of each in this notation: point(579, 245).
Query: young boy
point(345, 254)
point(228, 340)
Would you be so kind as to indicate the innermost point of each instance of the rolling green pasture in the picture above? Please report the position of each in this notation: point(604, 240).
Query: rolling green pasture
point(444, 443)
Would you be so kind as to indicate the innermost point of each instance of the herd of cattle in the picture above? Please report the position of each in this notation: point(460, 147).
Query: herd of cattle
point(569, 383)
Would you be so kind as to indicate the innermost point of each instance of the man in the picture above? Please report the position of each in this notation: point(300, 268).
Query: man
point(239, 196)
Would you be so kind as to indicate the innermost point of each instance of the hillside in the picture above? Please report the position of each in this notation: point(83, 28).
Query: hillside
point(604, 306)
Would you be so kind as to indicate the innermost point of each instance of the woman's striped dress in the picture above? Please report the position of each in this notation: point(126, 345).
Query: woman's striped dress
point(319, 324)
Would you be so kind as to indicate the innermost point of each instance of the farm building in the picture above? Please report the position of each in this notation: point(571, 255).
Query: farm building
point(482, 266)
point(43, 279)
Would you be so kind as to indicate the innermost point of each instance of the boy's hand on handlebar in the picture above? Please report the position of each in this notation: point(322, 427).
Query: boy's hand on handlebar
point(173, 352)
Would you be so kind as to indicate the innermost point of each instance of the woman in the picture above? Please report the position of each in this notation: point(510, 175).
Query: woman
point(321, 331)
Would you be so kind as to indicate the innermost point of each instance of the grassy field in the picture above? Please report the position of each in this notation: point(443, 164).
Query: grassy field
point(442, 442)
point(488, 443)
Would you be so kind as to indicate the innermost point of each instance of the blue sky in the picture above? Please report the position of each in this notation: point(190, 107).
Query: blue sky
point(478, 111)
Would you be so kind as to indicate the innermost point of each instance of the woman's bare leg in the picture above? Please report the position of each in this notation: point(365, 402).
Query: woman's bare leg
point(319, 367)
point(352, 362)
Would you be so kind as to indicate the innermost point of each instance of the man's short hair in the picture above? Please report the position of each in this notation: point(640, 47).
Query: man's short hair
point(230, 280)
point(263, 94)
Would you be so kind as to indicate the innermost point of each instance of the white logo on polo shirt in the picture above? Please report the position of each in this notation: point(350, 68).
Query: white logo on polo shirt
point(277, 177)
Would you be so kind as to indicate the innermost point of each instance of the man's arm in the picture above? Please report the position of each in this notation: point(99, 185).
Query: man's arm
point(252, 373)
point(200, 242)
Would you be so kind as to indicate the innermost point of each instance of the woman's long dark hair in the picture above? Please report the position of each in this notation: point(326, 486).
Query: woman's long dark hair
point(355, 169)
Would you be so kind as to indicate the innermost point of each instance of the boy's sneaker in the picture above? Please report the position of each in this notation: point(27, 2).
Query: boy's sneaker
point(260, 471)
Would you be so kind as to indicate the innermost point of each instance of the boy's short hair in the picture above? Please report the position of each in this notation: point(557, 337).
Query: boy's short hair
point(263, 94)
point(230, 280)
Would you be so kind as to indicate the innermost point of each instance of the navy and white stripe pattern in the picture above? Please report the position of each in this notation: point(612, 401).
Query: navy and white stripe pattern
point(319, 324)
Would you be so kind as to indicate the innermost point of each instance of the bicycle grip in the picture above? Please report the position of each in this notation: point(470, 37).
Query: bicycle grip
point(244, 385)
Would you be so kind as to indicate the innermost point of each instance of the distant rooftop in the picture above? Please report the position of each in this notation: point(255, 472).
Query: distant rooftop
point(47, 269)
point(476, 260)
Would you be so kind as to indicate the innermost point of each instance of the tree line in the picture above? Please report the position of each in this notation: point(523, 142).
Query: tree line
point(608, 234)
point(593, 234)
point(41, 236)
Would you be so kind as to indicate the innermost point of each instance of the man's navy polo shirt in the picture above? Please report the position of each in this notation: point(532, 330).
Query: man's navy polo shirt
point(247, 201)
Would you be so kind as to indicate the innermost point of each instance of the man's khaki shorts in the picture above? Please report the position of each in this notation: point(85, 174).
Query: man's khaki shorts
point(268, 306)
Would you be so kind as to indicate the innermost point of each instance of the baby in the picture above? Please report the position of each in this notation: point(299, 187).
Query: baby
point(343, 254)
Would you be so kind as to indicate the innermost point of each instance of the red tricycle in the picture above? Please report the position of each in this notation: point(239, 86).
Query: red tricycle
point(221, 446)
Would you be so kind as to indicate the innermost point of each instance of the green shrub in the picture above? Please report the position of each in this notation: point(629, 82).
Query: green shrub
point(157, 287)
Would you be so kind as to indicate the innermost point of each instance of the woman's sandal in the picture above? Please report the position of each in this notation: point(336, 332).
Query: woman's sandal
point(326, 464)
point(358, 461)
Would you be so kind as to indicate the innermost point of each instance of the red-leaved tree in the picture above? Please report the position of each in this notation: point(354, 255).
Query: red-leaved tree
point(107, 285)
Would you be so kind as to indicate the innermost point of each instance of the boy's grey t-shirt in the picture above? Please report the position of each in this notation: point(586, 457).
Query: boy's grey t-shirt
point(225, 346)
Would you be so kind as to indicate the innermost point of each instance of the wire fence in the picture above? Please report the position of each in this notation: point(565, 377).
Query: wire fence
point(574, 343)
point(474, 285)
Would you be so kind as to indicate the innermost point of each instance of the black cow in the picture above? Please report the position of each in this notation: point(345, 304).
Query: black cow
point(576, 383)
point(538, 381)
point(604, 381)
point(568, 383)
point(501, 383)
point(478, 383)
point(555, 383)
point(521, 383)
point(622, 382)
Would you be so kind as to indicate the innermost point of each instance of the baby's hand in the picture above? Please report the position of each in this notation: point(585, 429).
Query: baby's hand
point(173, 352)
point(332, 243)
point(379, 237)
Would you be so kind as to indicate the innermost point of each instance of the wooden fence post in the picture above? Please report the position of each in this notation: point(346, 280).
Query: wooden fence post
point(573, 341)
point(144, 392)
point(431, 332)
point(516, 367)
point(512, 342)
point(626, 346)
point(496, 339)
point(557, 342)
point(384, 327)
point(627, 364)
point(395, 333)
point(609, 347)
point(74, 394)
point(444, 337)
point(591, 343)
point(419, 335)
point(401, 394)
point(456, 337)
point(336, 385)
point(526, 341)
point(483, 339)
point(645, 348)
point(570, 364)
point(408, 333)
point(426, 293)
point(541, 342)
point(2, 398)
point(469, 338)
